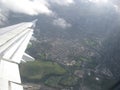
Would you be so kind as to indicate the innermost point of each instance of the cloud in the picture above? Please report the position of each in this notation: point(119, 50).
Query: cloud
point(116, 5)
point(32, 7)
point(29, 7)
point(62, 2)
point(3, 16)
point(113, 3)
point(61, 23)
point(117, 8)
point(98, 1)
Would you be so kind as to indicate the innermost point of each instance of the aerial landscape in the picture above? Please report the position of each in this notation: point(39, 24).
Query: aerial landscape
point(76, 43)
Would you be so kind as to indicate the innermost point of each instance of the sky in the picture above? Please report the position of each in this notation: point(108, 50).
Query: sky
point(37, 7)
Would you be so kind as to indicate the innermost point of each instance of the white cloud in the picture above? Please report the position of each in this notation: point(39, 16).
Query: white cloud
point(113, 3)
point(29, 7)
point(3, 16)
point(61, 23)
point(117, 8)
point(116, 5)
point(62, 2)
point(98, 1)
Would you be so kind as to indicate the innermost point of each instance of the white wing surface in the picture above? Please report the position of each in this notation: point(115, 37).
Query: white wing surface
point(13, 42)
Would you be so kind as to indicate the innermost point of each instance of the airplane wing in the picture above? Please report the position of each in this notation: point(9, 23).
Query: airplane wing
point(13, 42)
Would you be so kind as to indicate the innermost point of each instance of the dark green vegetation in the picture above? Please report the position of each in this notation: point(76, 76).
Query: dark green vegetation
point(47, 72)
point(38, 70)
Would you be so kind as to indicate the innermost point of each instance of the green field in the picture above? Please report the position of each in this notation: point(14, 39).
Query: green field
point(48, 73)
point(38, 70)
